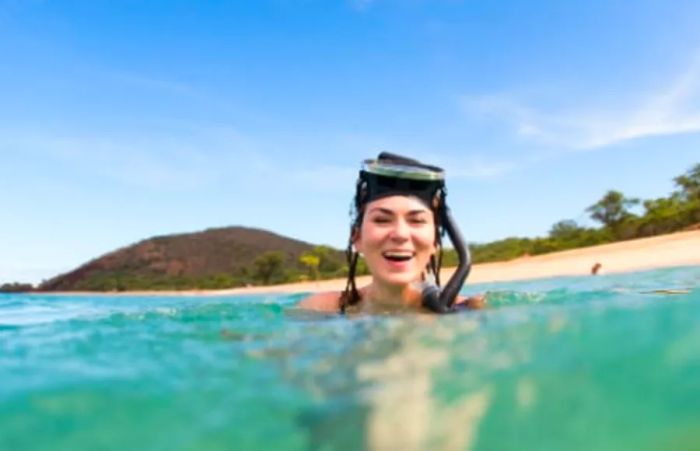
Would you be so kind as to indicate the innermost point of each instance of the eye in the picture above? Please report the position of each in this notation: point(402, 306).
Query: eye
point(418, 220)
point(381, 220)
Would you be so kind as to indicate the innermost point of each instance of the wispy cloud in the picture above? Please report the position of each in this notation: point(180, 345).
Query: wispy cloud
point(341, 179)
point(478, 168)
point(171, 88)
point(361, 5)
point(323, 178)
point(674, 109)
point(459, 163)
point(469, 165)
point(181, 157)
point(158, 162)
point(178, 158)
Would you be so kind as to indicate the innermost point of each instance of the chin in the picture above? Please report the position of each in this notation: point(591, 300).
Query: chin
point(399, 278)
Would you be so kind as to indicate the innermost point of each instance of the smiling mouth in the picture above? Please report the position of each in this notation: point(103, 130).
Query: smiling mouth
point(398, 256)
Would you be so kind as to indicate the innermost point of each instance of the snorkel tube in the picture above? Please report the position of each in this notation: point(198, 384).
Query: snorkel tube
point(442, 301)
point(392, 174)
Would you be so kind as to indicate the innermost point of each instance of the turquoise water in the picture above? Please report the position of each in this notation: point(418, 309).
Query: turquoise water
point(605, 363)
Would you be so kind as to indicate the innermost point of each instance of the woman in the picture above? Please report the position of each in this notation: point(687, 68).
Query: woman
point(399, 217)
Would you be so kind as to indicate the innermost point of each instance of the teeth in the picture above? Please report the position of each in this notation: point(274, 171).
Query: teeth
point(398, 255)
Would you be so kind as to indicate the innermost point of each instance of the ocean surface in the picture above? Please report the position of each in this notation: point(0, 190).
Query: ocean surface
point(609, 362)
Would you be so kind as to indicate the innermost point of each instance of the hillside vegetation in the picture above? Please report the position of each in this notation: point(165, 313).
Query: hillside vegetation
point(214, 258)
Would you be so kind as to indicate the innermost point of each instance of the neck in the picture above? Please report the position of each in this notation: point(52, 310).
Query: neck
point(393, 295)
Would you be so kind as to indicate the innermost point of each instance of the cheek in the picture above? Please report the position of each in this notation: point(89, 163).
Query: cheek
point(370, 236)
point(427, 239)
point(363, 242)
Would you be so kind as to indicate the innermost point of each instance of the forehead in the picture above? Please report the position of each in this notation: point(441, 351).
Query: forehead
point(398, 204)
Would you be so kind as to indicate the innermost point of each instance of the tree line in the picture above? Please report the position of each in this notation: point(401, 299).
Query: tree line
point(617, 220)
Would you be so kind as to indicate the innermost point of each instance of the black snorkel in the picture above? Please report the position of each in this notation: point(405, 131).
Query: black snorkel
point(442, 300)
point(392, 174)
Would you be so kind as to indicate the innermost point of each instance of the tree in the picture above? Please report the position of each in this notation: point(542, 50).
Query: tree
point(663, 215)
point(330, 260)
point(689, 183)
point(311, 260)
point(269, 266)
point(16, 287)
point(611, 210)
point(565, 230)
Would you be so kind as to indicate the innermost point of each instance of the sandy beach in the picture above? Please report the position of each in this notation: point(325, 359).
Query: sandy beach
point(676, 249)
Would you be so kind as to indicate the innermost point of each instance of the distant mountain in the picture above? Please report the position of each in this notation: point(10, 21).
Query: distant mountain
point(214, 258)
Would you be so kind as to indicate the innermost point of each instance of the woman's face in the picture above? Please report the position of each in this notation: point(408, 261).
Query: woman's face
point(397, 238)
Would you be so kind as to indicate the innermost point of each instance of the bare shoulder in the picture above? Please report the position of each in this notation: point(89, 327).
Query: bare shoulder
point(322, 302)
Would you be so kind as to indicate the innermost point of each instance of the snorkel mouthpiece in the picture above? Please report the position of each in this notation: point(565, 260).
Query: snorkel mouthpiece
point(392, 174)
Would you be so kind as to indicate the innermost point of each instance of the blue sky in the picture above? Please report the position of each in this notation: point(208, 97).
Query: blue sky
point(120, 120)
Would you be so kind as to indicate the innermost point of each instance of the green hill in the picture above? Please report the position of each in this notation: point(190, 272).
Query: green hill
point(215, 258)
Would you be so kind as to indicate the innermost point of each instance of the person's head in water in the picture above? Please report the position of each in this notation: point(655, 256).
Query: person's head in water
point(398, 219)
point(396, 225)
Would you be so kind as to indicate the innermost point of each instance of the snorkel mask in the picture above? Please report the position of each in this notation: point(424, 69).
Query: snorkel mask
point(392, 174)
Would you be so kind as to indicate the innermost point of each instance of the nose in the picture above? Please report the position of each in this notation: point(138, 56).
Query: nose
point(400, 231)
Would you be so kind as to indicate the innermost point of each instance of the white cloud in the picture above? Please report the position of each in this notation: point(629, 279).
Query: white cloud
point(675, 109)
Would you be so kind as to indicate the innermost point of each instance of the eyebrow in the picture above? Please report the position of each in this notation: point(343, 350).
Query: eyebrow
point(391, 212)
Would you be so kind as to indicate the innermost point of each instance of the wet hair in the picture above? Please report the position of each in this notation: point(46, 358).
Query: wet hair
point(351, 295)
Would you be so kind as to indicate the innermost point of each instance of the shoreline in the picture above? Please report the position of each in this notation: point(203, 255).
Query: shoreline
point(663, 251)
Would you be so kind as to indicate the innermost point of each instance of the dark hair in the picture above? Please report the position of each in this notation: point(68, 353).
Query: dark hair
point(351, 295)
